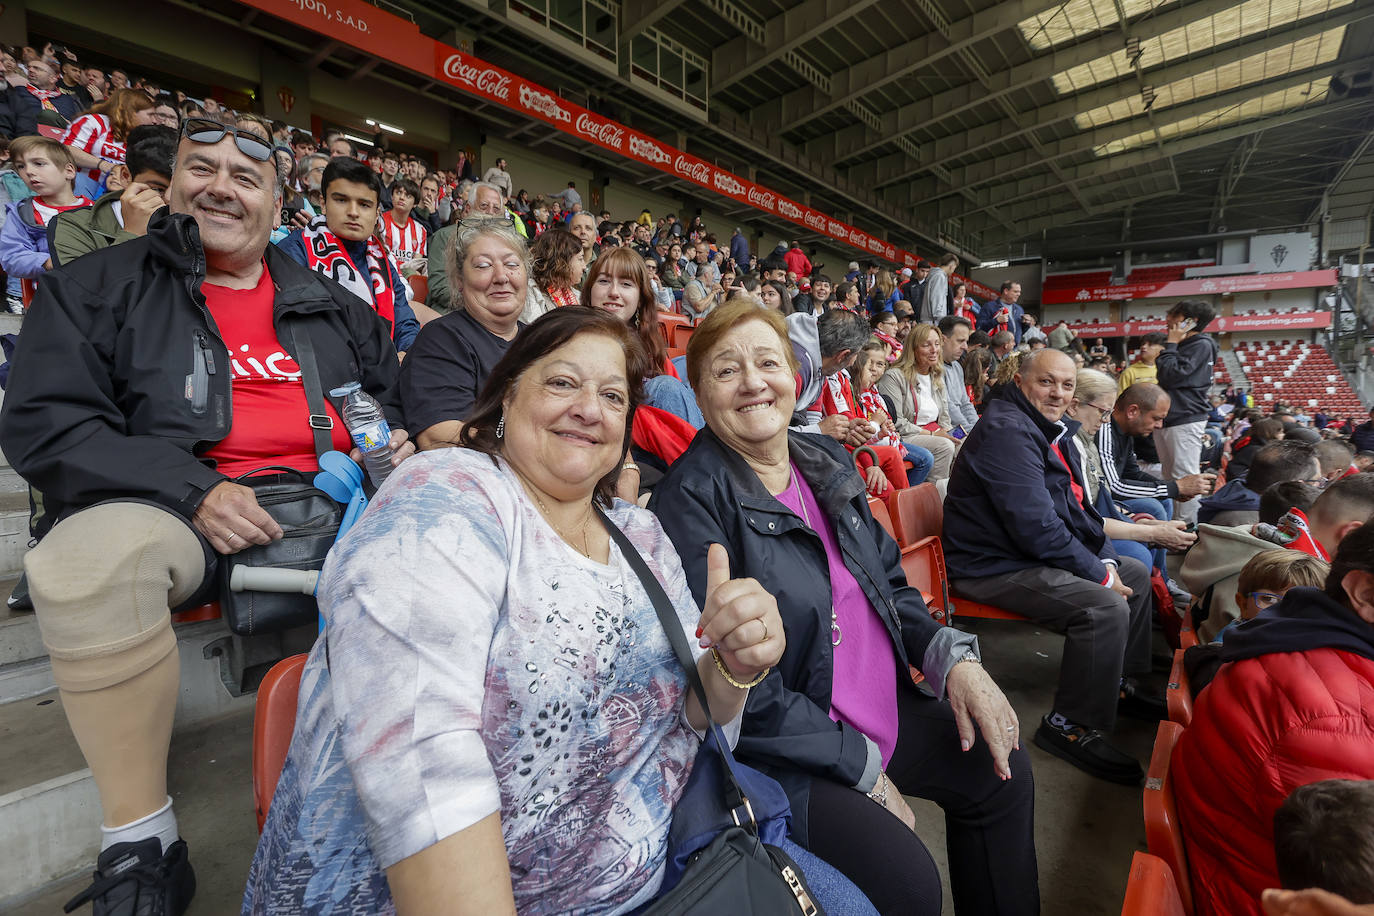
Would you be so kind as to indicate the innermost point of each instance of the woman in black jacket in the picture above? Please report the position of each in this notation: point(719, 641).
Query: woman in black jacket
point(839, 722)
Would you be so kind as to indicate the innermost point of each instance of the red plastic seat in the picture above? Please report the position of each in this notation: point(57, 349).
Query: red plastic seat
point(919, 513)
point(681, 334)
point(274, 721)
point(1163, 835)
point(1179, 693)
point(419, 285)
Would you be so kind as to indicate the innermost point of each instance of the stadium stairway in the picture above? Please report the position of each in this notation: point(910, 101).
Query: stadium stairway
point(1236, 369)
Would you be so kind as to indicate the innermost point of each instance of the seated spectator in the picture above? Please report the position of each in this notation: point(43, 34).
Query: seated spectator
point(1237, 503)
point(1336, 459)
point(1017, 535)
point(699, 297)
point(406, 239)
point(482, 199)
point(774, 295)
point(123, 214)
point(869, 367)
point(557, 266)
point(97, 137)
point(1322, 838)
point(1139, 410)
point(838, 721)
point(1290, 706)
point(915, 386)
point(954, 334)
point(847, 296)
point(18, 115)
point(530, 821)
point(1000, 346)
point(962, 305)
point(1361, 437)
point(138, 484)
point(906, 319)
point(884, 324)
point(1146, 540)
point(1281, 498)
point(1341, 508)
point(977, 366)
point(1264, 580)
point(1244, 449)
point(47, 104)
point(583, 226)
point(453, 355)
point(47, 169)
point(340, 244)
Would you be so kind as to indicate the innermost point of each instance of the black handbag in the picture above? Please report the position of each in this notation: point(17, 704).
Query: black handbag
point(736, 872)
point(309, 520)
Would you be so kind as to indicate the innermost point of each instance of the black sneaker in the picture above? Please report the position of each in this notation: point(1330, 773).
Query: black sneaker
point(1087, 749)
point(1136, 703)
point(137, 879)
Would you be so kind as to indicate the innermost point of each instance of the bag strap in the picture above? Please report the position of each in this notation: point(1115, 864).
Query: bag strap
point(735, 799)
point(321, 423)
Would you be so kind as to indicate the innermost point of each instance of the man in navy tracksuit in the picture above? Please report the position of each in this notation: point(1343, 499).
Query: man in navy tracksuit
point(1018, 535)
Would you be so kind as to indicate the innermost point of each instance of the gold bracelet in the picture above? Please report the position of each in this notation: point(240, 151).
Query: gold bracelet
point(730, 678)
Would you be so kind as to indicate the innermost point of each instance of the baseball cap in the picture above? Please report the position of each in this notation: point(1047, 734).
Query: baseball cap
point(906, 271)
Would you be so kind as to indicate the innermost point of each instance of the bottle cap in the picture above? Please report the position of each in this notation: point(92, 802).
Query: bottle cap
point(344, 391)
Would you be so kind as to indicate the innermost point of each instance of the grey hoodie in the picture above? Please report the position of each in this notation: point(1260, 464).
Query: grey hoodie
point(1215, 562)
point(805, 337)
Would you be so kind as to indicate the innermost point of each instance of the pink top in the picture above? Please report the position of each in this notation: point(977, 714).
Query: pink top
point(864, 679)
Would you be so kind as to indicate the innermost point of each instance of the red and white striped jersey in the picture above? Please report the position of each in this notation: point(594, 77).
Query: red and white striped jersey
point(90, 133)
point(405, 243)
point(43, 213)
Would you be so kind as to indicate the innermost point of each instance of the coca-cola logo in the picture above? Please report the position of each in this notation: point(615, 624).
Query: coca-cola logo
point(607, 133)
point(697, 171)
point(908, 260)
point(644, 149)
point(837, 229)
point(789, 209)
point(764, 199)
point(729, 184)
point(542, 103)
point(484, 80)
point(875, 245)
point(857, 237)
point(815, 220)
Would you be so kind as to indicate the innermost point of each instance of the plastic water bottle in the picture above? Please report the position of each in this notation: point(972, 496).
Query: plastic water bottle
point(367, 425)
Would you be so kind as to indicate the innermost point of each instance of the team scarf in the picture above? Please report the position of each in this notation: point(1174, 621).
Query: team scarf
point(325, 255)
point(872, 402)
point(45, 96)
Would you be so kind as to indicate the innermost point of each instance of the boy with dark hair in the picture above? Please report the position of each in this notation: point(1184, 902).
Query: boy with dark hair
point(49, 171)
point(340, 244)
point(405, 237)
point(123, 214)
point(1324, 837)
point(1279, 499)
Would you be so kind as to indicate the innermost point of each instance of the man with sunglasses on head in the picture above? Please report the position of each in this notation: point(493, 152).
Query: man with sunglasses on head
point(154, 373)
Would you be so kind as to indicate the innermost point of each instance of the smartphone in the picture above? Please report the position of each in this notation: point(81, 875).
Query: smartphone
point(958, 432)
point(1187, 324)
point(289, 213)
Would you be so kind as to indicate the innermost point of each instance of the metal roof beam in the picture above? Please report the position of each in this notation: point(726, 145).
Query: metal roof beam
point(742, 56)
point(638, 15)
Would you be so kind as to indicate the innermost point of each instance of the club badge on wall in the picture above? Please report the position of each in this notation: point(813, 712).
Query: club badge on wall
point(287, 99)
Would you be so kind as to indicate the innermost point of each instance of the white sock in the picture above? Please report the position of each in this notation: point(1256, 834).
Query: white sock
point(162, 824)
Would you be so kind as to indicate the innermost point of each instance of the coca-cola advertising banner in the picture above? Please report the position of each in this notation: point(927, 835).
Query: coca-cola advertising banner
point(1201, 286)
point(1230, 323)
point(392, 38)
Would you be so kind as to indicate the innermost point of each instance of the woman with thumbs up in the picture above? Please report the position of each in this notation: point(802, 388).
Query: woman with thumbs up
point(494, 720)
point(838, 720)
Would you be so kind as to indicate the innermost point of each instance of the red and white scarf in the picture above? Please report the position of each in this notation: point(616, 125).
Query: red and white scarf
point(45, 96)
point(325, 255)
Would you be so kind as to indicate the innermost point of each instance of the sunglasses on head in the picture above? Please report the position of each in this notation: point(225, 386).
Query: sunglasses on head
point(203, 130)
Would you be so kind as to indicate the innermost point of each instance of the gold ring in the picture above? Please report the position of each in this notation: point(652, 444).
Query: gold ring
point(765, 631)
point(230, 536)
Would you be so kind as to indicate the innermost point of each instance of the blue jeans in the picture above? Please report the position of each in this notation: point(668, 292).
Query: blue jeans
point(1134, 549)
point(667, 393)
point(1162, 509)
point(922, 461)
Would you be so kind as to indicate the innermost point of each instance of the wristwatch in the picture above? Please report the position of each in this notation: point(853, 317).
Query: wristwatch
point(968, 656)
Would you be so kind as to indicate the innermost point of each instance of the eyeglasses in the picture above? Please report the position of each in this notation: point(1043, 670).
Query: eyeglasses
point(252, 145)
point(485, 221)
point(653, 268)
point(1264, 600)
point(1103, 412)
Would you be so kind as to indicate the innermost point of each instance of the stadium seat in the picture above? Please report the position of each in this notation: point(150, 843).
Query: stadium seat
point(419, 285)
point(681, 334)
point(919, 513)
point(879, 510)
point(27, 290)
point(274, 720)
point(1162, 833)
point(1179, 693)
point(1151, 889)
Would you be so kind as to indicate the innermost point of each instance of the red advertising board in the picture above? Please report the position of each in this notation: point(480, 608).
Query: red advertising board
point(385, 35)
point(1200, 286)
point(1293, 321)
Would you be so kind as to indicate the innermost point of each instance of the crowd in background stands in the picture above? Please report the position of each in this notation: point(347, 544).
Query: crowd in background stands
point(1056, 505)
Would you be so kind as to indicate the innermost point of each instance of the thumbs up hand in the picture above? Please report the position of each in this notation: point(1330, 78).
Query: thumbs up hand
point(740, 619)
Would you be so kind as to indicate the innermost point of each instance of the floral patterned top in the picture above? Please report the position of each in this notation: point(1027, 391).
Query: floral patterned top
point(474, 662)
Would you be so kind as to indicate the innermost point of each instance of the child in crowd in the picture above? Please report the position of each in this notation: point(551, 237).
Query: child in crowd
point(1323, 838)
point(869, 366)
point(49, 171)
point(1263, 582)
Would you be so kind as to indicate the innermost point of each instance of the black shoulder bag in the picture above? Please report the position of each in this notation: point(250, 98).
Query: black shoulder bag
point(309, 520)
point(716, 852)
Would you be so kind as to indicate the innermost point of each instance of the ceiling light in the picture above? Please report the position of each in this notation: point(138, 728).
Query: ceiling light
point(387, 127)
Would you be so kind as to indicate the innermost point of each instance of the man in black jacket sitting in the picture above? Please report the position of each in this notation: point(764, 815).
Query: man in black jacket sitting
point(150, 375)
point(1018, 535)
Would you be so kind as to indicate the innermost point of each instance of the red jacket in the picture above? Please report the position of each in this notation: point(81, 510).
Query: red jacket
point(1270, 722)
point(797, 262)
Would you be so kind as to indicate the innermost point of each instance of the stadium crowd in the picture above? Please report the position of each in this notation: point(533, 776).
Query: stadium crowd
point(536, 735)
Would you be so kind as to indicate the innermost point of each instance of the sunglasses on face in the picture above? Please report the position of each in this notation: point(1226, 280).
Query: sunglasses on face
point(252, 145)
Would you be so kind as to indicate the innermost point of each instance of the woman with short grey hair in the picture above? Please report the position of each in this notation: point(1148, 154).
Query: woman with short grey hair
point(488, 271)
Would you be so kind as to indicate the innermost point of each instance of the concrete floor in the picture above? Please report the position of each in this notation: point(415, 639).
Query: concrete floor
point(1086, 830)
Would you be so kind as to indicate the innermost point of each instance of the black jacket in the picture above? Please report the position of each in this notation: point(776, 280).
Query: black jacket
point(121, 380)
point(710, 495)
point(18, 114)
point(1010, 505)
point(1122, 472)
point(1185, 371)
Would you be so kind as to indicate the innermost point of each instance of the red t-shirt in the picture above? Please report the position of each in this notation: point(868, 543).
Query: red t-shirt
point(271, 417)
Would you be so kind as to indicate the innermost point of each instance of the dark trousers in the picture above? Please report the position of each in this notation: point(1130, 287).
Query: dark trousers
point(989, 824)
point(1105, 635)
